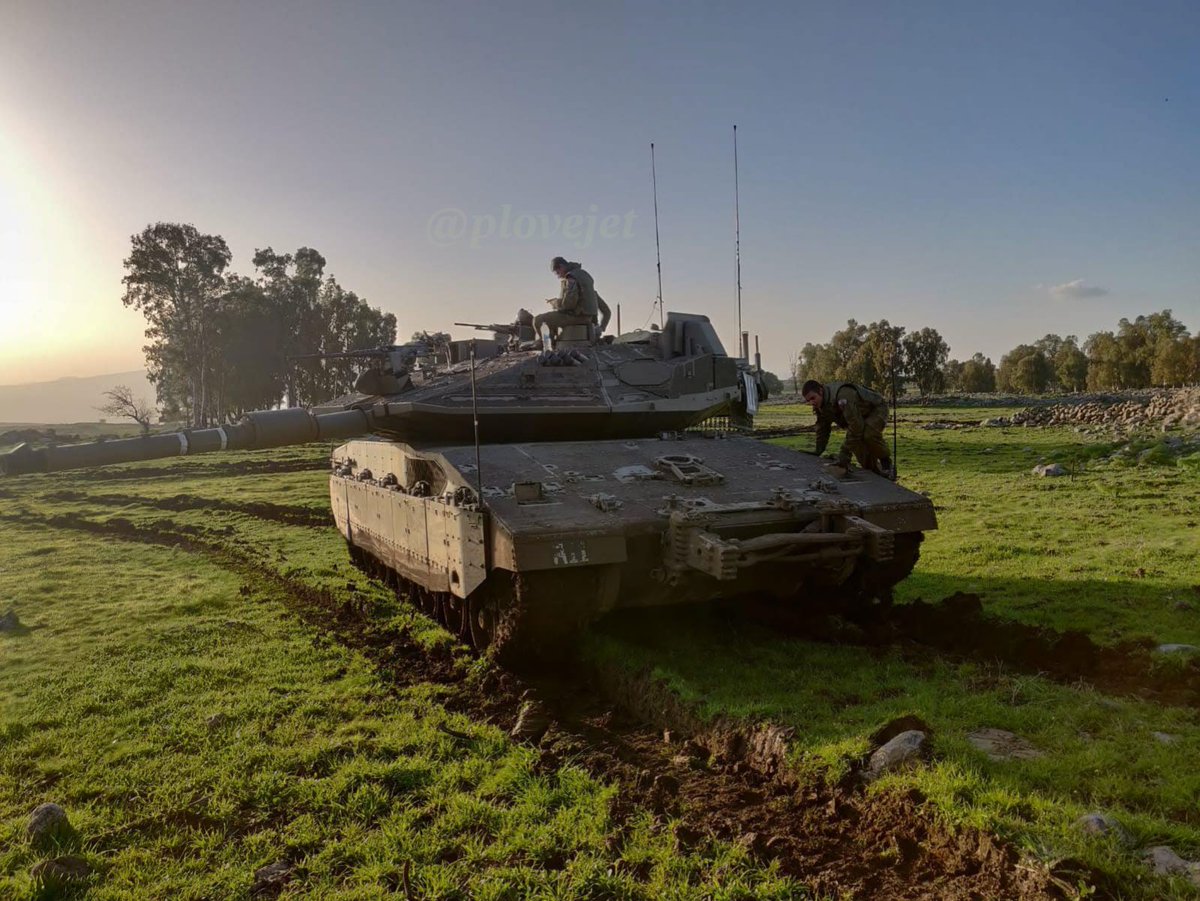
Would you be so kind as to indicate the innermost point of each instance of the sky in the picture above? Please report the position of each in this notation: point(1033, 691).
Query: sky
point(997, 171)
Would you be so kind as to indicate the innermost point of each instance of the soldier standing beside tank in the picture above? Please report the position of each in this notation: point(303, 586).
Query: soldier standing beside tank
point(862, 413)
point(577, 302)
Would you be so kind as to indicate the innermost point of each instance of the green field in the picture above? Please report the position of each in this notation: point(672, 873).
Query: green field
point(188, 684)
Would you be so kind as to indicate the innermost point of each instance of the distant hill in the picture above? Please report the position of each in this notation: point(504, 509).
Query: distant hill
point(68, 399)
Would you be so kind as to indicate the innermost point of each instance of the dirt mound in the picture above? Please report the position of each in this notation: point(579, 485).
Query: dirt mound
point(959, 626)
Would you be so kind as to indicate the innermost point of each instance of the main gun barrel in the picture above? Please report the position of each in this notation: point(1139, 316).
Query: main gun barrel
point(261, 429)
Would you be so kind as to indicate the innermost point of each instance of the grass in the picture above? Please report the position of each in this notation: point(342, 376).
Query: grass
point(1111, 550)
point(196, 727)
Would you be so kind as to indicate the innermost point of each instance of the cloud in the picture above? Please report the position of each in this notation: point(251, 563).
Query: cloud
point(1077, 289)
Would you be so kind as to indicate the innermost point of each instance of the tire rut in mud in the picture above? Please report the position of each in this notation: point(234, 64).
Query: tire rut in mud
point(195, 470)
point(285, 514)
point(958, 627)
point(724, 781)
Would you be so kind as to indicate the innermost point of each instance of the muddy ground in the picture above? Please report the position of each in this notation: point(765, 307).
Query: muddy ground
point(703, 781)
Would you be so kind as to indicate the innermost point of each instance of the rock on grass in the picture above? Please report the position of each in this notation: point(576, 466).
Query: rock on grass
point(61, 872)
point(48, 824)
point(270, 880)
point(901, 750)
point(1104, 825)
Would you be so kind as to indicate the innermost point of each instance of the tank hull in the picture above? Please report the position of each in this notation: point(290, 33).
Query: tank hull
point(638, 522)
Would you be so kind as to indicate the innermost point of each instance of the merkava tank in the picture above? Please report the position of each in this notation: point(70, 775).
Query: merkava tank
point(516, 495)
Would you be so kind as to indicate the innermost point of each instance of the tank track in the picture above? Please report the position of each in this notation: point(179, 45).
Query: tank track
point(521, 618)
point(532, 618)
point(871, 583)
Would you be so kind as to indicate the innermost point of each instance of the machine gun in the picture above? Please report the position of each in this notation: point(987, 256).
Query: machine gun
point(395, 355)
point(388, 370)
point(512, 329)
point(516, 331)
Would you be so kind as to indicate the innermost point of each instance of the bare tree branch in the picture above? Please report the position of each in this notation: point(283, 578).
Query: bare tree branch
point(121, 403)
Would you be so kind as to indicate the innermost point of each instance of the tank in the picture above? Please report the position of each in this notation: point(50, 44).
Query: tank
point(517, 493)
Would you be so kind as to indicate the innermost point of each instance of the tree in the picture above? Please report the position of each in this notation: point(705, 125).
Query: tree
point(858, 353)
point(292, 282)
point(952, 375)
point(175, 277)
point(1139, 341)
point(322, 318)
point(844, 347)
point(1070, 365)
point(121, 403)
point(1104, 361)
point(794, 370)
point(817, 361)
point(773, 383)
point(978, 375)
point(251, 366)
point(1024, 370)
point(880, 352)
point(1172, 363)
point(925, 353)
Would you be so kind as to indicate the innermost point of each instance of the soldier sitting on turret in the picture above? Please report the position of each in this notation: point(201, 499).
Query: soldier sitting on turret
point(577, 302)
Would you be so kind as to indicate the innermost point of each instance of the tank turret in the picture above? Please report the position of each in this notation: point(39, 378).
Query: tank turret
point(516, 493)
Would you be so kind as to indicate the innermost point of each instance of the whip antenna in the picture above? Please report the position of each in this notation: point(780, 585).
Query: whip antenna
point(737, 232)
point(657, 248)
point(475, 417)
point(895, 362)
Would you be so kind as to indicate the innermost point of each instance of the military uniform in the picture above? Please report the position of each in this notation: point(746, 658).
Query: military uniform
point(863, 414)
point(577, 302)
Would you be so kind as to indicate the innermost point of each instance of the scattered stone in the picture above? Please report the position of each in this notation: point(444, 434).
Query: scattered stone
point(270, 880)
point(666, 784)
point(1177, 649)
point(532, 723)
point(1161, 409)
point(1103, 825)
point(61, 871)
point(48, 823)
point(1165, 738)
point(9, 622)
point(1049, 469)
point(901, 750)
point(1165, 862)
point(1001, 745)
point(216, 721)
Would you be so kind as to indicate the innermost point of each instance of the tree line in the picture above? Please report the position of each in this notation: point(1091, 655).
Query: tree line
point(220, 344)
point(1149, 351)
